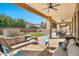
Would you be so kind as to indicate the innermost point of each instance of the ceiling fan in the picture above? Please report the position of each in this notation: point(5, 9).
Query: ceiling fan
point(51, 6)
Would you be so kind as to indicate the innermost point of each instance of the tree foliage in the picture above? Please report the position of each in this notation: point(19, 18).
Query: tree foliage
point(7, 21)
point(54, 25)
point(43, 25)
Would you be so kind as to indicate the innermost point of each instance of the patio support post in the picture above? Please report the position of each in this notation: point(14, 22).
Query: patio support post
point(67, 27)
point(49, 27)
point(58, 26)
point(74, 25)
point(70, 27)
point(77, 23)
point(49, 32)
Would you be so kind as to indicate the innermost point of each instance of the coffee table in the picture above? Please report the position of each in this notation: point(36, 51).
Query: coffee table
point(34, 50)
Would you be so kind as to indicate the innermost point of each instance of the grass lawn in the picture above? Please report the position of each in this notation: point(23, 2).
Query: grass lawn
point(37, 34)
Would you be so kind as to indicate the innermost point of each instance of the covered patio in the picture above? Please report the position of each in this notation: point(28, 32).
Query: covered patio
point(62, 17)
point(66, 16)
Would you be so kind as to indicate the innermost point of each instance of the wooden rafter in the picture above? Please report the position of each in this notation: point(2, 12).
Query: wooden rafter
point(26, 7)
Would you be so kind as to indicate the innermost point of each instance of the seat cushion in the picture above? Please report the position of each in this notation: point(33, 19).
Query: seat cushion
point(19, 39)
point(19, 45)
point(11, 41)
point(72, 49)
point(60, 52)
point(64, 45)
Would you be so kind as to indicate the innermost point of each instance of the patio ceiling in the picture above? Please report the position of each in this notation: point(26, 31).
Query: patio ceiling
point(65, 11)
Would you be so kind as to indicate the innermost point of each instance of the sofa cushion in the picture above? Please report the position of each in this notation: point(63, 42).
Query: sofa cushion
point(64, 45)
point(19, 45)
point(72, 49)
point(19, 39)
point(3, 42)
point(11, 41)
point(60, 52)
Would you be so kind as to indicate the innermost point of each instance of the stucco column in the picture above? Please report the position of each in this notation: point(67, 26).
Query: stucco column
point(74, 25)
point(49, 27)
point(77, 22)
point(68, 27)
point(49, 32)
point(58, 26)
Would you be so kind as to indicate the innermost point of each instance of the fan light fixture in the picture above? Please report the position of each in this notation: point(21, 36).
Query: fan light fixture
point(51, 7)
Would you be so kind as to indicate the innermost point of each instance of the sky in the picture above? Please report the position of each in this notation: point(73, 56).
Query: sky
point(17, 12)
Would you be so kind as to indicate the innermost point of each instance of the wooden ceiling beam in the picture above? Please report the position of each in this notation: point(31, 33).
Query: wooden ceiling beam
point(26, 7)
point(51, 20)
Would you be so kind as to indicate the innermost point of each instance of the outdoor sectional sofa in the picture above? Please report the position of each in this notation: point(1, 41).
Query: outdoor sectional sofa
point(67, 49)
point(15, 42)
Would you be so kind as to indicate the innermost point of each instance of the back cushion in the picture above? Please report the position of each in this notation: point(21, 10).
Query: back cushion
point(11, 41)
point(20, 39)
point(64, 45)
point(72, 49)
point(3, 42)
point(60, 52)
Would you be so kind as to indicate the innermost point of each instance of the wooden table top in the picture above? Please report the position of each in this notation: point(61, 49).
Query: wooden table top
point(35, 47)
point(33, 50)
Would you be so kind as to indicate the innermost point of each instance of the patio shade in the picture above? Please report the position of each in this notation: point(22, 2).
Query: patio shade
point(65, 11)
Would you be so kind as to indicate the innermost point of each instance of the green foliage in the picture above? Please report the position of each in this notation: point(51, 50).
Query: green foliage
point(7, 21)
point(43, 25)
point(37, 34)
point(54, 25)
point(20, 23)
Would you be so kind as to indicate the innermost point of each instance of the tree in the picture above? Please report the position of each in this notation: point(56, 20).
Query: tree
point(2, 18)
point(7, 21)
point(20, 23)
point(43, 25)
point(54, 25)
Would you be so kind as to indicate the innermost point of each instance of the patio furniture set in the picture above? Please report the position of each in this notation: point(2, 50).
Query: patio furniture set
point(67, 48)
point(23, 45)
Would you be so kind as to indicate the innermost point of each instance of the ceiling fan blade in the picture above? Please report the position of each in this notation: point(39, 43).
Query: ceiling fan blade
point(55, 9)
point(44, 8)
point(56, 5)
point(49, 4)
